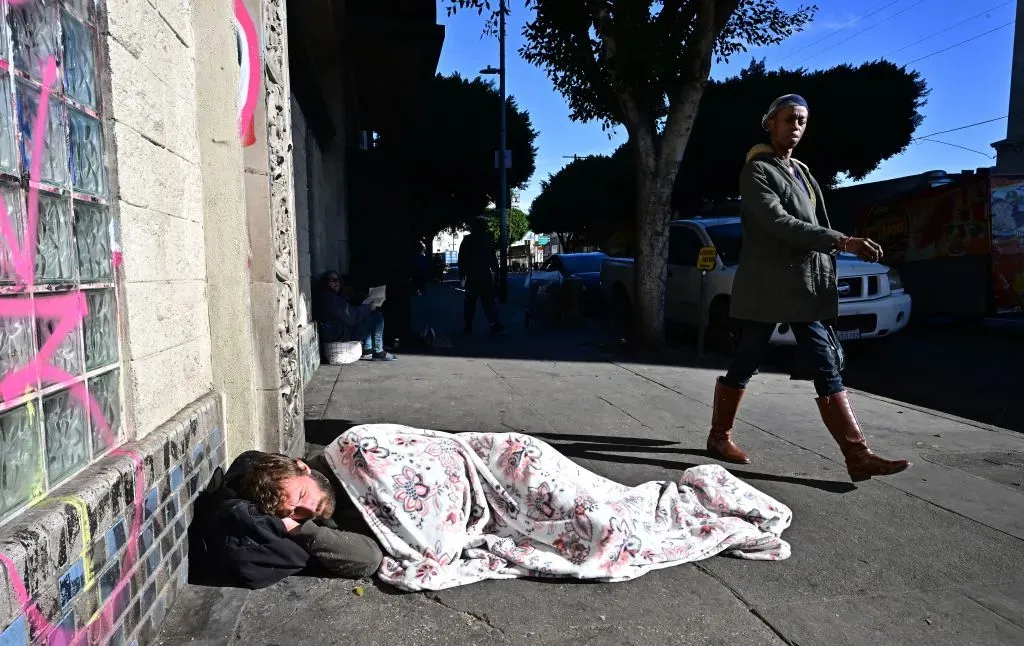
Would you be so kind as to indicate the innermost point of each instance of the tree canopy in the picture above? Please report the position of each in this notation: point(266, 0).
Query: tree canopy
point(839, 141)
point(845, 135)
point(645, 64)
point(451, 157)
point(587, 201)
point(518, 225)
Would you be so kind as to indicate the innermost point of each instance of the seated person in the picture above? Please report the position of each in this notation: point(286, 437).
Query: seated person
point(339, 320)
point(271, 516)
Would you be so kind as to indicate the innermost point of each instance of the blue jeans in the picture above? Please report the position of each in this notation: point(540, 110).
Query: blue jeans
point(812, 340)
point(371, 332)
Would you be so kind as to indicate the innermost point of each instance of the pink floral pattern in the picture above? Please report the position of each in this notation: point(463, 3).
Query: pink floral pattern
point(455, 509)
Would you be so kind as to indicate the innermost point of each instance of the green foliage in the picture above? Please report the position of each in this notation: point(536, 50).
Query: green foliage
point(848, 132)
point(518, 225)
point(588, 200)
point(450, 157)
point(596, 52)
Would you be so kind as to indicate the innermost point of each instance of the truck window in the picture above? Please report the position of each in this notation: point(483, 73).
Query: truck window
point(683, 247)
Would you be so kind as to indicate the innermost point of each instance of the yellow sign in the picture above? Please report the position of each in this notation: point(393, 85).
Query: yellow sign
point(706, 258)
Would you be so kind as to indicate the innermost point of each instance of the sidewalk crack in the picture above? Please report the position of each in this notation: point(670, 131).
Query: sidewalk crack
point(482, 618)
point(746, 604)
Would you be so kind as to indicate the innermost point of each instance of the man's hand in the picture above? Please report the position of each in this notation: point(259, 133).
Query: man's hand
point(291, 525)
point(864, 248)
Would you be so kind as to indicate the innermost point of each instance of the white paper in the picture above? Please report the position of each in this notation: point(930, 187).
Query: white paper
point(376, 296)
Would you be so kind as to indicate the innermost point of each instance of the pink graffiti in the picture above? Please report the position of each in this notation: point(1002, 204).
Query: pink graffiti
point(246, 123)
point(66, 311)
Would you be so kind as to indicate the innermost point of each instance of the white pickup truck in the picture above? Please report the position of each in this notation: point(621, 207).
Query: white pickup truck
point(872, 302)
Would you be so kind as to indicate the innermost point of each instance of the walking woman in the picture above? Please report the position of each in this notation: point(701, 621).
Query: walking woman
point(787, 274)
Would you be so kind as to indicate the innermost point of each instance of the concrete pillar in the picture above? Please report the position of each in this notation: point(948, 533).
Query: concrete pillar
point(1010, 151)
point(224, 207)
point(270, 207)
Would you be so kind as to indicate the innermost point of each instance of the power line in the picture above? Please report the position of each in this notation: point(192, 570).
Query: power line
point(938, 141)
point(970, 125)
point(953, 26)
point(962, 42)
point(836, 30)
point(868, 28)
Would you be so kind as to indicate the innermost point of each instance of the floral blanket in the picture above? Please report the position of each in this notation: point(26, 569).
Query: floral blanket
point(456, 509)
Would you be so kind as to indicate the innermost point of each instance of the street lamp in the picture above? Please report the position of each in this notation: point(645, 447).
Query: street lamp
point(502, 161)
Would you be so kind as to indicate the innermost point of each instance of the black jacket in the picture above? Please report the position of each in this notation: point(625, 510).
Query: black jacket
point(232, 543)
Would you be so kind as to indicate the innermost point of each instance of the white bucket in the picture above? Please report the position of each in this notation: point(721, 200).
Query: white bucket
point(343, 352)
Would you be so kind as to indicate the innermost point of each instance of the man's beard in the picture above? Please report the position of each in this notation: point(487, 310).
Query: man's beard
point(327, 503)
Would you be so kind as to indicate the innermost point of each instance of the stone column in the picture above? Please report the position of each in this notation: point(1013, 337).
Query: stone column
point(271, 206)
point(1010, 151)
point(232, 351)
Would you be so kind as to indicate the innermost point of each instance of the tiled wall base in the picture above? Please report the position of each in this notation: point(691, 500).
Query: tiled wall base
point(100, 560)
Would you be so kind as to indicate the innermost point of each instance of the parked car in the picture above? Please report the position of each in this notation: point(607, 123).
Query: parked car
point(585, 267)
point(872, 301)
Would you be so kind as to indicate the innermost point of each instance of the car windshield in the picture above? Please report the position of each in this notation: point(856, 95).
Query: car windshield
point(727, 238)
point(583, 263)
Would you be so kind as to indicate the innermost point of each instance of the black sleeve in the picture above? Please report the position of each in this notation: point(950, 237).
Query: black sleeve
point(254, 549)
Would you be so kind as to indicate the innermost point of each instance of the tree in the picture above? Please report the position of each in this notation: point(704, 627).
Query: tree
point(644, 64)
point(842, 137)
point(587, 201)
point(450, 163)
point(518, 225)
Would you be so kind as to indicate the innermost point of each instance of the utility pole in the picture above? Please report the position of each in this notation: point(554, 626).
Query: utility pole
point(502, 160)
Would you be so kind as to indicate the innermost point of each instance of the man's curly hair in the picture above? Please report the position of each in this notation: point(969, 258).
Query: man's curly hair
point(262, 484)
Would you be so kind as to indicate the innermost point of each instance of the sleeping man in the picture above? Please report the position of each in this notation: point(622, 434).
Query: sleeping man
point(271, 516)
point(452, 509)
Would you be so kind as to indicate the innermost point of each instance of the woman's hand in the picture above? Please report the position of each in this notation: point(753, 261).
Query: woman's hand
point(864, 248)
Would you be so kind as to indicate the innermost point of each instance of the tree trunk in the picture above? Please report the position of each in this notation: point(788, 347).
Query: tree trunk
point(653, 215)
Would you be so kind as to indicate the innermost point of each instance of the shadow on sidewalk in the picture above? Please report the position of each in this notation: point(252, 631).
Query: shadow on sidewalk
point(322, 432)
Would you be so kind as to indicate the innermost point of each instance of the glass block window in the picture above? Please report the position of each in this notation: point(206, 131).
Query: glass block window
point(60, 389)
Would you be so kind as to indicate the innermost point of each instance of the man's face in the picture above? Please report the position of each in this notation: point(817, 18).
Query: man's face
point(304, 497)
point(334, 282)
point(787, 126)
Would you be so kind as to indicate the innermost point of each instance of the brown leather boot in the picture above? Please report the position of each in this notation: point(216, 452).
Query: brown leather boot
point(861, 463)
point(720, 444)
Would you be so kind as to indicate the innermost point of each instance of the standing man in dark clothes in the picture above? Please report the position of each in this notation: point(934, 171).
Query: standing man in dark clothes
point(271, 516)
point(478, 266)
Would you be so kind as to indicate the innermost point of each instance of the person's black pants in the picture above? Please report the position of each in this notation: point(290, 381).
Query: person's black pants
point(813, 347)
point(483, 289)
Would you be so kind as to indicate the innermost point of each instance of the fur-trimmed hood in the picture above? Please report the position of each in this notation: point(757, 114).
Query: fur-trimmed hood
point(765, 149)
point(760, 149)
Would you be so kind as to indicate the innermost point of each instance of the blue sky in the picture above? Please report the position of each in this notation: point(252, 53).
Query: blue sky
point(969, 83)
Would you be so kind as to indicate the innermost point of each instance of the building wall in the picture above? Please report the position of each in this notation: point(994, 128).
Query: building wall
point(164, 296)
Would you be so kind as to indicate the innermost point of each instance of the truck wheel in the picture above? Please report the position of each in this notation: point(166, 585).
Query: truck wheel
point(723, 329)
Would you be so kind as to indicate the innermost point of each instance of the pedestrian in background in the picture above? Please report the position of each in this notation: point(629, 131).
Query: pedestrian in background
point(787, 274)
point(478, 267)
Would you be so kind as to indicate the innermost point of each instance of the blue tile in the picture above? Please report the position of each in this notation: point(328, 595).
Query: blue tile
point(177, 478)
point(116, 538)
point(152, 501)
point(70, 584)
point(148, 597)
point(134, 643)
point(146, 539)
point(153, 560)
point(16, 634)
point(197, 455)
point(108, 580)
point(64, 632)
point(117, 637)
point(215, 436)
point(171, 512)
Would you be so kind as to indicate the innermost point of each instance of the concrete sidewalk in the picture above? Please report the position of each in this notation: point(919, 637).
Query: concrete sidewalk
point(931, 556)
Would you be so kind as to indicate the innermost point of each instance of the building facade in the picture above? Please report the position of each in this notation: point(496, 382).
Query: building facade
point(174, 174)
